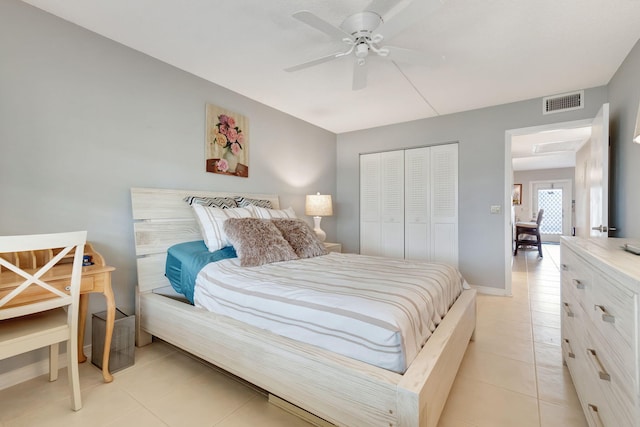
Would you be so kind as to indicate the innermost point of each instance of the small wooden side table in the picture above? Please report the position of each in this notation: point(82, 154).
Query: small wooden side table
point(333, 247)
point(95, 278)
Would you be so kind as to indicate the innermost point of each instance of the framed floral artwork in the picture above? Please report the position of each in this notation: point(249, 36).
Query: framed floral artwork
point(516, 196)
point(227, 142)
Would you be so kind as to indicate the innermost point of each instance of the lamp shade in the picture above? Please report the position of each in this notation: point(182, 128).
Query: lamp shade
point(636, 132)
point(318, 205)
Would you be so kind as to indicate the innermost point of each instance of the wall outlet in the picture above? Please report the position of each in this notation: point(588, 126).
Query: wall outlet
point(496, 209)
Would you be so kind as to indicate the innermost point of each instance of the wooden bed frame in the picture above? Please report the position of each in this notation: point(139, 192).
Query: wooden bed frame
point(338, 389)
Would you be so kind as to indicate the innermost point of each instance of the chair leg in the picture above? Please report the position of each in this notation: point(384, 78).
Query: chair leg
point(73, 373)
point(53, 361)
point(539, 244)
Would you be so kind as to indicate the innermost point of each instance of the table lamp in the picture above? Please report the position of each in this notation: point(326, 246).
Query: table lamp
point(318, 205)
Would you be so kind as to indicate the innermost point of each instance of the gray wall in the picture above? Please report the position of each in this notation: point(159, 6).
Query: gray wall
point(624, 94)
point(481, 137)
point(83, 119)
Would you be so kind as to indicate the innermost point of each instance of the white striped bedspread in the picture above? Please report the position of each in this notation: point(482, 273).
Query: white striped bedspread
point(377, 310)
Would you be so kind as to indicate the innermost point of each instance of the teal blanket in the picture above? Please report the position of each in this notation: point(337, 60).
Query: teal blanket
point(185, 260)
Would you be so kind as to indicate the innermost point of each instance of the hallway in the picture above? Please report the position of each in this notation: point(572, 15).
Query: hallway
point(512, 375)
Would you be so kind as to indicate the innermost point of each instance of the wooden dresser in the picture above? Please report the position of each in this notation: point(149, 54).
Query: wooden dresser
point(601, 328)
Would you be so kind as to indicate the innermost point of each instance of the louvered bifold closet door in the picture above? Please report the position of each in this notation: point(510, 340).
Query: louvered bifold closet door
point(444, 203)
point(370, 176)
point(409, 204)
point(382, 204)
point(392, 204)
point(417, 243)
point(370, 188)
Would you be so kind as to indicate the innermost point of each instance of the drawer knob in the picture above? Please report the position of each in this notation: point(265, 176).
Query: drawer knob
point(606, 317)
point(595, 415)
point(602, 373)
point(578, 284)
point(567, 310)
point(570, 353)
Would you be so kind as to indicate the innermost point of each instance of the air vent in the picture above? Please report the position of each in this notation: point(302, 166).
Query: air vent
point(563, 102)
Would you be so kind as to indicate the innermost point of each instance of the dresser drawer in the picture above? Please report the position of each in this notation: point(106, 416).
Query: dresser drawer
point(575, 272)
point(613, 309)
point(612, 388)
point(595, 407)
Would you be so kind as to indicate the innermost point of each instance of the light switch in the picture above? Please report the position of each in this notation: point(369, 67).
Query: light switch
point(496, 209)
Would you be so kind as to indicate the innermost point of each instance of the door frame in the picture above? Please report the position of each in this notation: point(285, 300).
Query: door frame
point(508, 186)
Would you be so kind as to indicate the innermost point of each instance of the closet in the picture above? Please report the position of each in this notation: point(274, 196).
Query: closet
point(409, 203)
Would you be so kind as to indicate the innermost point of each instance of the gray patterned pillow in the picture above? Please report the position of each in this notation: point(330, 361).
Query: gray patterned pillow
point(213, 202)
point(243, 202)
point(257, 241)
point(301, 237)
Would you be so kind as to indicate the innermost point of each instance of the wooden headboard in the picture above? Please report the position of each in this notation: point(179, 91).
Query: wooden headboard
point(161, 219)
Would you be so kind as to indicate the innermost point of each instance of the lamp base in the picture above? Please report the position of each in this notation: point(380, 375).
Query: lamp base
point(322, 236)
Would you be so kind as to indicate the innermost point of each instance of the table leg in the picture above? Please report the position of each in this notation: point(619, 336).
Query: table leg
point(82, 317)
point(111, 318)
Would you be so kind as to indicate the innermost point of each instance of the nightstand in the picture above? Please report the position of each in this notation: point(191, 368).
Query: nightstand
point(333, 247)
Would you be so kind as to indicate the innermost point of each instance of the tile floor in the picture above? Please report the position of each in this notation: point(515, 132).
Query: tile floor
point(511, 375)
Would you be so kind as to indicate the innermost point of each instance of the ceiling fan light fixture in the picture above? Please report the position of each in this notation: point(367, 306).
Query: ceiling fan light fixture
point(362, 50)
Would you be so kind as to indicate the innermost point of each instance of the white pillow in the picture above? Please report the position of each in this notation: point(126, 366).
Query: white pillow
point(264, 213)
point(211, 221)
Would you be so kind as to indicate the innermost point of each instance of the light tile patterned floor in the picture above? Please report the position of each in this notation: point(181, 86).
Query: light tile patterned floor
point(511, 375)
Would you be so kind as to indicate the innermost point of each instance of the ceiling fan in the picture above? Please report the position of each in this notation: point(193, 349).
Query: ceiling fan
point(364, 32)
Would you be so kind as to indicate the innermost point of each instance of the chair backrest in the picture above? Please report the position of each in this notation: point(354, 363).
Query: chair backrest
point(64, 292)
point(539, 218)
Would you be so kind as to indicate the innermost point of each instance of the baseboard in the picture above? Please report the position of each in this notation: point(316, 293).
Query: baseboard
point(34, 370)
point(487, 290)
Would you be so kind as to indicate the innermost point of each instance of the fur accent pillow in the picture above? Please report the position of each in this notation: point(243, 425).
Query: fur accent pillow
point(257, 241)
point(301, 237)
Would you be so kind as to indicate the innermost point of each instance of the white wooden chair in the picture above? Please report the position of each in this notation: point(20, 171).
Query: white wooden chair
point(25, 324)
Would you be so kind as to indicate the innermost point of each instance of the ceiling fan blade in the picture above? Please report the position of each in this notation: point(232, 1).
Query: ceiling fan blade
point(359, 75)
point(411, 56)
point(321, 25)
point(315, 62)
point(411, 14)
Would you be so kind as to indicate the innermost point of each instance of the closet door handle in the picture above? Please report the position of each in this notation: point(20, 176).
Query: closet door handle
point(567, 310)
point(602, 373)
point(578, 284)
point(606, 317)
point(595, 415)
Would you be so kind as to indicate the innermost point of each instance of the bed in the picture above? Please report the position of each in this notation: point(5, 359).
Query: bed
point(335, 388)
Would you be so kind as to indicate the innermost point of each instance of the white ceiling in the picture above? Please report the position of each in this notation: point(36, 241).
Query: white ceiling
point(555, 148)
point(496, 51)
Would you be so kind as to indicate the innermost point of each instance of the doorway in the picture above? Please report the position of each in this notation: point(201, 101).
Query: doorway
point(555, 197)
point(549, 160)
